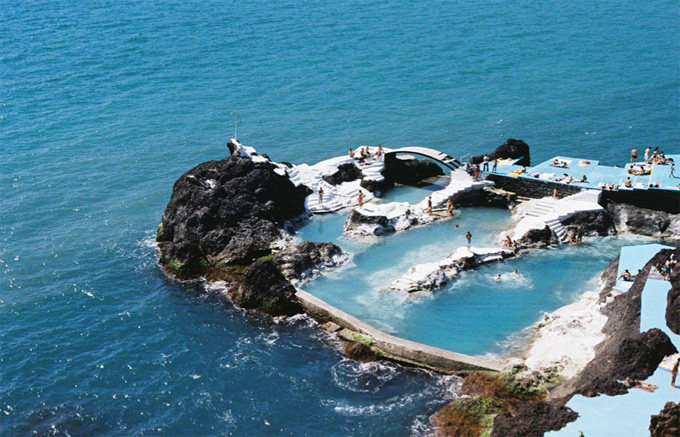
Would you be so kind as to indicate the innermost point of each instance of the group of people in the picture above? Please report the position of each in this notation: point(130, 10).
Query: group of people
point(364, 152)
point(565, 178)
point(665, 268)
point(655, 157)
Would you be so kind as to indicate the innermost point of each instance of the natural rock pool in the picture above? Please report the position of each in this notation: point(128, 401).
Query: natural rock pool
point(474, 313)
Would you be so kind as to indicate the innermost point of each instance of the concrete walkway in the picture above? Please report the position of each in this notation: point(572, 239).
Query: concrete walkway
point(395, 348)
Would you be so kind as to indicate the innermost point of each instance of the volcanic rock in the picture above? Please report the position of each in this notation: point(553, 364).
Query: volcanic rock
point(223, 213)
point(532, 419)
point(306, 259)
point(667, 422)
point(264, 288)
point(409, 171)
point(346, 173)
point(512, 148)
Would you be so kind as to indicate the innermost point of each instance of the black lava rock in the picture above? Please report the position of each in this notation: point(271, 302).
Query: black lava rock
point(667, 422)
point(532, 419)
point(264, 288)
point(306, 257)
point(512, 148)
point(225, 212)
point(346, 173)
point(409, 171)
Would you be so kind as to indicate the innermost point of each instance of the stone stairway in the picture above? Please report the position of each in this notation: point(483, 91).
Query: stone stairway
point(556, 226)
point(543, 207)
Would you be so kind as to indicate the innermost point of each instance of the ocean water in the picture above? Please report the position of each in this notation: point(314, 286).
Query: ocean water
point(104, 104)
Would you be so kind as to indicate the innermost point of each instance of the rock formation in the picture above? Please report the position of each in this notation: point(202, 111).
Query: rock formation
point(512, 148)
point(667, 422)
point(307, 259)
point(225, 213)
point(409, 171)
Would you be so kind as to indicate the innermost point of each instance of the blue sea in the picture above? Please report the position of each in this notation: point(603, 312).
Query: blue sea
point(104, 104)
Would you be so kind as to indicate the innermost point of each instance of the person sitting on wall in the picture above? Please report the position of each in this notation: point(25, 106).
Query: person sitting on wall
point(508, 242)
point(628, 183)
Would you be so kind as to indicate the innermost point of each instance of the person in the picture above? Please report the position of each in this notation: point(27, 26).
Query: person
point(350, 153)
point(516, 272)
point(508, 241)
point(583, 179)
point(628, 183)
point(361, 199)
point(642, 385)
point(495, 165)
point(457, 226)
point(647, 150)
point(379, 152)
point(468, 239)
point(672, 169)
point(626, 276)
point(633, 155)
point(320, 195)
point(449, 206)
point(429, 205)
point(485, 165)
point(476, 175)
point(674, 372)
point(555, 193)
point(498, 278)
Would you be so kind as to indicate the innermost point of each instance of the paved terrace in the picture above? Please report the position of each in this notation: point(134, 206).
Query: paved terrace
point(630, 414)
point(595, 173)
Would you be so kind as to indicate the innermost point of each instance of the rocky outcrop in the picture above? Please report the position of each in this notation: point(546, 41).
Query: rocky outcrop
point(532, 419)
point(409, 171)
point(381, 219)
point(512, 148)
point(537, 238)
point(346, 173)
point(264, 288)
point(667, 422)
point(225, 213)
point(306, 260)
point(428, 276)
point(590, 223)
point(626, 352)
point(641, 221)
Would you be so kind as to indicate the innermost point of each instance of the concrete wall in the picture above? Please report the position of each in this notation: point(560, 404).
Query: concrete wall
point(654, 199)
point(395, 348)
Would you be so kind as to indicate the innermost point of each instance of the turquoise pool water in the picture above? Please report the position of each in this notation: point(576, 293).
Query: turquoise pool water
point(474, 314)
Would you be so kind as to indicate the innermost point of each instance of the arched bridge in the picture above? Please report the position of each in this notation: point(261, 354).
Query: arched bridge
point(436, 155)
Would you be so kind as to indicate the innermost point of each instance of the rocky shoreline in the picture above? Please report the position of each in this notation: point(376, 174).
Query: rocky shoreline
point(233, 220)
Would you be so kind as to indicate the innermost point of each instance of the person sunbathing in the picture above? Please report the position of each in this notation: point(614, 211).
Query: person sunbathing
point(642, 385)
point(583, 179)
point(628, 183)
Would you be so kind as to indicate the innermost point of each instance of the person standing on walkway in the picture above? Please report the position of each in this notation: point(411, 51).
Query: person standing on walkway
point(468, 240)
point(633, 155)
point(429, 205)
point(672, 169)
point(647, 150)
point(449, 207)
point(320, 195)
point(476, 175)
point(674, 372)
point(361, 199)
point(485, 165)
point(494, 166)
